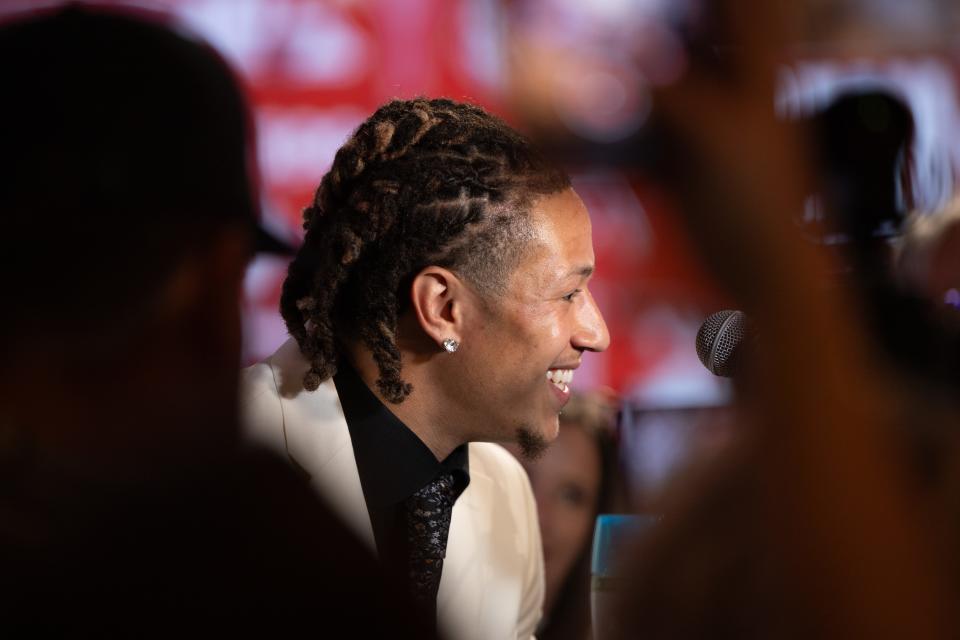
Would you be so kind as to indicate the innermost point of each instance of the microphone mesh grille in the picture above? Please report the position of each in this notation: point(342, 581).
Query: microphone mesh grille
point(719, 339)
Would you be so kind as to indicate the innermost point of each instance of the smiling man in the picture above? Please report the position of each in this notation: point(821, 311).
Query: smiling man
point(439, 304)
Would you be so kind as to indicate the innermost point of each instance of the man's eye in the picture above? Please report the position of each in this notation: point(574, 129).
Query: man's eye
point(573, 496)
point(570, 296)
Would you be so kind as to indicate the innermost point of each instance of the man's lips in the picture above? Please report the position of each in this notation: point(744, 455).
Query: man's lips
point(559, 379)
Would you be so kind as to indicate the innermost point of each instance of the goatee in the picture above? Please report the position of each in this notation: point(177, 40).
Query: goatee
point(532, 444)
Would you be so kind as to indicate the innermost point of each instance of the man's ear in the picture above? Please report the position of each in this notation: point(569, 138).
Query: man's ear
point(437, 299)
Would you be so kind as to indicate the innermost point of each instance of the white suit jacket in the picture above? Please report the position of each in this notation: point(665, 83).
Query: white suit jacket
point(492, 585)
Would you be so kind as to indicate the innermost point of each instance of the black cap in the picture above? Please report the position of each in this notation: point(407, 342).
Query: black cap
point(116, 120)
point(124, 144)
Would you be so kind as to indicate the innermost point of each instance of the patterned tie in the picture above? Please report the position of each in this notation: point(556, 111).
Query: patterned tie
point(428, 523)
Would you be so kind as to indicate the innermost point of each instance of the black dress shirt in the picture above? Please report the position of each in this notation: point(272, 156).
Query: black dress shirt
point(393, 463)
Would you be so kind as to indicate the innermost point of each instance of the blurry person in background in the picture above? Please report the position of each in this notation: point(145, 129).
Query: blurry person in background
point(577, 478)
point(128, 504)
point(928, 255)
point(439, 304)
point(863, 143)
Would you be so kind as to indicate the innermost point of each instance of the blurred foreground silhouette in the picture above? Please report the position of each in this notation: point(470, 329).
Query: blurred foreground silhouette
point(835, 514)
point(127, 503)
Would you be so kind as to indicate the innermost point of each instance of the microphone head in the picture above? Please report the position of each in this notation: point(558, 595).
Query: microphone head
point(719, 340)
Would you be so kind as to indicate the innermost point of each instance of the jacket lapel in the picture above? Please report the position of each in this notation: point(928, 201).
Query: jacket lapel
point(464, 585)
point(318, 441)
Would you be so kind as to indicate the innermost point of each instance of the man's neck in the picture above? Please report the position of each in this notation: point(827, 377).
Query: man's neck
point(419, 411)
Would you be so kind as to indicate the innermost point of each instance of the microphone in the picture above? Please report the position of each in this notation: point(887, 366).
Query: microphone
point(720, 341)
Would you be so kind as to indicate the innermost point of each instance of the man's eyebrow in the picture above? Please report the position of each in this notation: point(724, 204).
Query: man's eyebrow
point(584, 271)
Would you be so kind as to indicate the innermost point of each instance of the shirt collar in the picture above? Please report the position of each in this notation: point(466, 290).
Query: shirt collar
point(393, 462)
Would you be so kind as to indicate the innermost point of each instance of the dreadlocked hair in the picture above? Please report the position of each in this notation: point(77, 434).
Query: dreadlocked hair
point(421, 182)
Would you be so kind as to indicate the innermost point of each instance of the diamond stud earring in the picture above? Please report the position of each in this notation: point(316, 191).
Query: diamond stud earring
point(451, 345)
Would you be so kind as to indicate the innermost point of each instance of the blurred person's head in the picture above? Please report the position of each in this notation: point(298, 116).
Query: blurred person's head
point(128, 209)
point(449, 261)
point(576, 478)
point(863, 142)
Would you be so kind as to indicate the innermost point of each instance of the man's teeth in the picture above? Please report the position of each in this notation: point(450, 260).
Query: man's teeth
point(560, 377)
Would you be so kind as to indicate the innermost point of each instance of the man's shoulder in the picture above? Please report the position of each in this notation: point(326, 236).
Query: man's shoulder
point(263, 386)
point(281, 373)
point(255, 381)
point(277, 410)
point(280, 377)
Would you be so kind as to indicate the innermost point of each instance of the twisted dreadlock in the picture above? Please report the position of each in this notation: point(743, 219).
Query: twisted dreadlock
point(420, 183)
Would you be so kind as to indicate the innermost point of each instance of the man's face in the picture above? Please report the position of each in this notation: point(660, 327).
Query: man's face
point(520, 351)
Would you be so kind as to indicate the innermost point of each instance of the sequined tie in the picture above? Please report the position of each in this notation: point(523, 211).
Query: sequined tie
point(428, 523)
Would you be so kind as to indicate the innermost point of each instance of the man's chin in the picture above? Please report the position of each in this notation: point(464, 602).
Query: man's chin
point(532, 443)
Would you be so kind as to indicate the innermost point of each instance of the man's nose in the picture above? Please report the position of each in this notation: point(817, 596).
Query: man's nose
point(591, 334)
